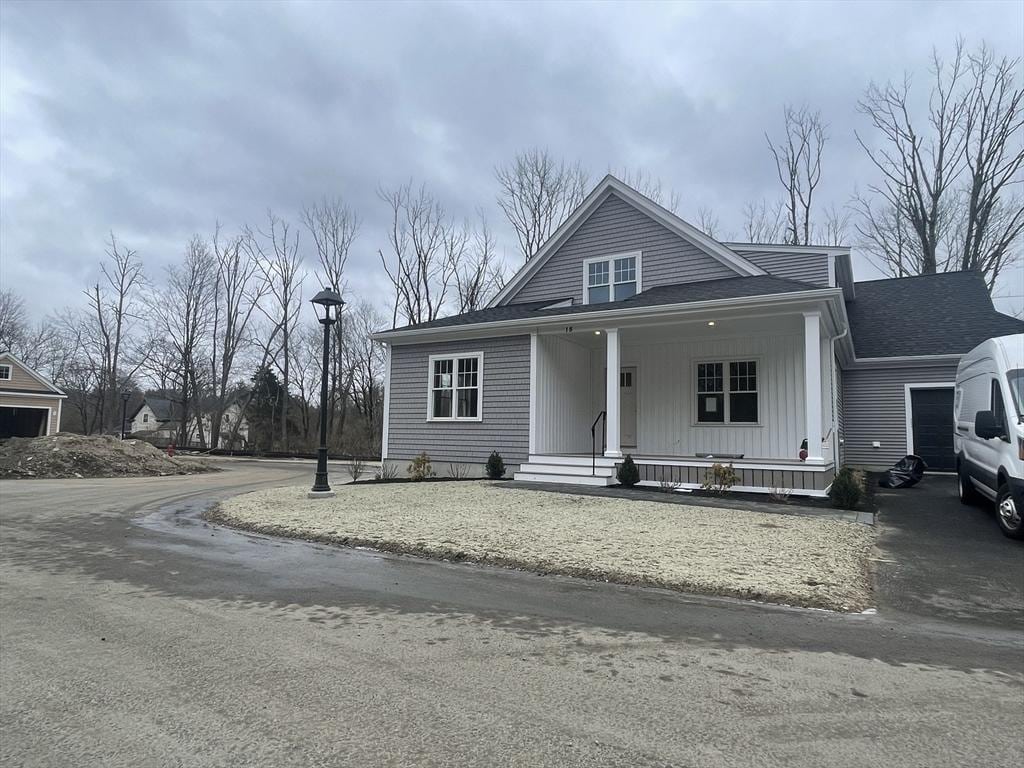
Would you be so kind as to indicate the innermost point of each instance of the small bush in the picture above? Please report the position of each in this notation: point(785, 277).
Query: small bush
point(420, 468)
point(780, 495)
point(847, 489)
point(458, 471)
point(719, 479)
point(627, 473)
point(356, 467)
point(495, 466)
point(388, 470)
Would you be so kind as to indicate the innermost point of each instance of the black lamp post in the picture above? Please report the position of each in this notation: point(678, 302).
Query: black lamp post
point(331, 303)
point(125, 397)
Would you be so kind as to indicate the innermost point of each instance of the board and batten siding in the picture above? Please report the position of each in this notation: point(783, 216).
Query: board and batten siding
point(805, 267)
point(564, 386)
point(617, 227)
point(505, 426)
point(666, 396)
point(874, 408)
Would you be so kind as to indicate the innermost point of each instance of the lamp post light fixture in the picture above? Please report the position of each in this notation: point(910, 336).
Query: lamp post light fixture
point(125, 397)
point(328, 305)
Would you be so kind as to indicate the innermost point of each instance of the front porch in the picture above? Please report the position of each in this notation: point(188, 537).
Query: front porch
point(680, 396)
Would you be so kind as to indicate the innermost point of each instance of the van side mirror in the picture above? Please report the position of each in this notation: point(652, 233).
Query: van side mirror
point(986, 426)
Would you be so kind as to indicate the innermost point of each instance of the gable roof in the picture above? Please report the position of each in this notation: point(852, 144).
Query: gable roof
point(948, 313)
point(607, 186)
point(7, 356)
point(662, 295)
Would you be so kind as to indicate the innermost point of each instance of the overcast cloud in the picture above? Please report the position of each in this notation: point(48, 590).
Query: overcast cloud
point(155, 120)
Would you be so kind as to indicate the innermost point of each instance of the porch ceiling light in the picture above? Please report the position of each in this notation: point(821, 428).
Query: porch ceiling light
point(597, 333)
point(711, 322)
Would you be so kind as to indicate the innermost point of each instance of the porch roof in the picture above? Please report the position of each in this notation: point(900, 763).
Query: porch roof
point(662, 295)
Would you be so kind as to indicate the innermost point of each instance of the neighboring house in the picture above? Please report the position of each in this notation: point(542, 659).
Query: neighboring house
point(684, 351)
point(30, 405)
point(159, 418)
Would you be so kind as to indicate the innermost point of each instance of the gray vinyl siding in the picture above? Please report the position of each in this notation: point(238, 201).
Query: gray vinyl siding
point(806, 267)
point(874, 409)
point(840, 413)
point(617, 227)
point(506, 404)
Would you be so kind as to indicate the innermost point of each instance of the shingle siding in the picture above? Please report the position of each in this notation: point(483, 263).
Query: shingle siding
point(874, 409)
point(805, 267)
point(506, 403)
point(617, 227)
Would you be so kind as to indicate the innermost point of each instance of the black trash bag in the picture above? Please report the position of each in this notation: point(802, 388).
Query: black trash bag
point(905, 473)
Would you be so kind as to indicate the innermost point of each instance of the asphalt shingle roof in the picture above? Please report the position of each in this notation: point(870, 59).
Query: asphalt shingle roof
point(681, 293)
point(941, 314)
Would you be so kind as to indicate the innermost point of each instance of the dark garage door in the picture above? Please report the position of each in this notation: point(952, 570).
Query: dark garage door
point(932, 414)
point(23, 422)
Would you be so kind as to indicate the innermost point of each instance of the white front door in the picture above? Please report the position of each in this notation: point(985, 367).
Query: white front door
point(627, 406)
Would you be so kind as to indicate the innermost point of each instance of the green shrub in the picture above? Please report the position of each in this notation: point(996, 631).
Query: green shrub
point(627, 473)
point(719, 479)
point(495, 466)
point(420, 468)
point(847, 489)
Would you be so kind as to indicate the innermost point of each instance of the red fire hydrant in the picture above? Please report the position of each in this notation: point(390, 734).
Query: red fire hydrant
point(170, 449)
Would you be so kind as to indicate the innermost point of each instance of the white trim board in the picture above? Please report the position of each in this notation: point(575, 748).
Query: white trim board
point(908, 409)
point(387, 404)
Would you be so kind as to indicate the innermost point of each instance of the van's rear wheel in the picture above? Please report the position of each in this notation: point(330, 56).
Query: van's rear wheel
point(1009, 515)
point(968, 495)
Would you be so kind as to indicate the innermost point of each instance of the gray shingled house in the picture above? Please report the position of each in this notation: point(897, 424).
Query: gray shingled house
point(633, 332)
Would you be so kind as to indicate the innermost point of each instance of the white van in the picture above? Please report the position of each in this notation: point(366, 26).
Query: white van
point(988, 436)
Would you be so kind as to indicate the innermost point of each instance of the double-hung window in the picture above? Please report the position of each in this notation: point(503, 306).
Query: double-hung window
point(456, 387)
point(5, 373)
point(727, 392)
point(611, 279)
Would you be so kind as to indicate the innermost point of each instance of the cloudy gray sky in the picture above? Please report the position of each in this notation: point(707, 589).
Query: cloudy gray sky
point(155, 120)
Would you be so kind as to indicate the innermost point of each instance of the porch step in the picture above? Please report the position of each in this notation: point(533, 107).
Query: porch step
point(580, 461)
point(545, 477)
point(556, 468)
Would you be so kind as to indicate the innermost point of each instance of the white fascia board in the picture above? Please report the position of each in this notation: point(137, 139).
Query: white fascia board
point(13, 393)
point(906, 361)
point(830, 250)
point(608, 185)
point(600, 318)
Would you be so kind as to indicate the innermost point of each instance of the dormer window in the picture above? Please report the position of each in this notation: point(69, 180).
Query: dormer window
point(611, 278)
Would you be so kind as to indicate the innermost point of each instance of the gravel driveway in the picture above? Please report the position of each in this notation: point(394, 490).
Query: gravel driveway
point(776, 558)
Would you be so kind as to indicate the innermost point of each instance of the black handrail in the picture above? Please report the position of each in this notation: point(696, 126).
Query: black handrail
point(593, 440)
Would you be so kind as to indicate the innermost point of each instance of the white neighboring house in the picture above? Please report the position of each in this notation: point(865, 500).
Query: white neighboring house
point(30, 405)
point(160, 418)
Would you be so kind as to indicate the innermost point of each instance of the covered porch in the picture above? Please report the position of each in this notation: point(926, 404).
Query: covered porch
point(685, 391)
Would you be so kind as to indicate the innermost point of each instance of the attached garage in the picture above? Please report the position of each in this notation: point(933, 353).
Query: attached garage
point(30, 405)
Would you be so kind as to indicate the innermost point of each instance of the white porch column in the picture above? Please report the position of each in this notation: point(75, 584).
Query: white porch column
point(812, 385)
point(613, 449)
point(534, 383)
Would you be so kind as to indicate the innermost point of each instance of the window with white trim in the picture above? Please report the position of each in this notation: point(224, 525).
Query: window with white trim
point(731, 399)
point(456, 389)
point(611, 279)
point(5, 373)
point(145, 418)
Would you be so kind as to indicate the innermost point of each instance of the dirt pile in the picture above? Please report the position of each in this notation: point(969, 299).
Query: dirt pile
point(67, 455)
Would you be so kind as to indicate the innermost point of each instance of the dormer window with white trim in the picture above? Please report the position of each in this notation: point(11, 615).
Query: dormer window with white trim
point(611, 278)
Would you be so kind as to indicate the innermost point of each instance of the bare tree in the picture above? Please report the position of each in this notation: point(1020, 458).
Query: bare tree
point(707, 221)
point(834, 229)
point(537, 193)
point(184, 313)
point(425, 250)
point(993, 152)
point(918, 167)
point(798, 163)
point(13, 320)
point(112, 304)
point(364, 361)
point(650, 187)
point(480, 273)
point(276, 253)
point(763, 223)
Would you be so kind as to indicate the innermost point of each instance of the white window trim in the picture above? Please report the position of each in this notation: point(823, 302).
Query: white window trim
point(455, 356)
point(9, 369)
point(695, 422)
point(611, 272)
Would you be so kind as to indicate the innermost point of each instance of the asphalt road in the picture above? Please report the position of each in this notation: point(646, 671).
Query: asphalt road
point(133, 634)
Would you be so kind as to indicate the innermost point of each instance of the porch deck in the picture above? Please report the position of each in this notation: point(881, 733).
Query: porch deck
point(756, 475)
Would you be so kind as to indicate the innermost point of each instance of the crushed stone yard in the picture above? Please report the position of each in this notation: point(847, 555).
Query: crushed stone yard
point(779, 558)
